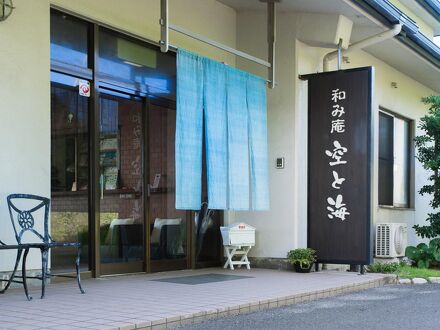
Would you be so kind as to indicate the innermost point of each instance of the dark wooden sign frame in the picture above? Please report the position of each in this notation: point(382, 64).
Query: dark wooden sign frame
point(344, 240)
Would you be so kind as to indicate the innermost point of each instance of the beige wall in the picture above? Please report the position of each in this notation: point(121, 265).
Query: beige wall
point(141, 17)
point(24, 111)
point(25, 81)
point(278, 228)
point(285, 226)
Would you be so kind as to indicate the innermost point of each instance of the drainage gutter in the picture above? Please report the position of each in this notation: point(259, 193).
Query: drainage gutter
point(395, 30)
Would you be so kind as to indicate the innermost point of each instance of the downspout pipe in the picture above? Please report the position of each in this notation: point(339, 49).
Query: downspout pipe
point(395, 30)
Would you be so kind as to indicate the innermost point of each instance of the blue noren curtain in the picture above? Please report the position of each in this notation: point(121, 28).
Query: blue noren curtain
point(189, 130)
point(256, 102)
point(231, 106)
point(238, 144)
point(216, 134)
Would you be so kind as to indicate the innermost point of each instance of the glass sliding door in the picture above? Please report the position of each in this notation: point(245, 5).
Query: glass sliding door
point(69, 172)
point(132, 66)
point(70, 112)
point(168, 227)
point(121, 182)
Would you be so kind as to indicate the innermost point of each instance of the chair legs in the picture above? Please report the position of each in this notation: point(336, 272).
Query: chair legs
point(11, 278)
point(45, 273)
point(23, 274)
point(44, 259)
point(78, 274)
point(44, 270)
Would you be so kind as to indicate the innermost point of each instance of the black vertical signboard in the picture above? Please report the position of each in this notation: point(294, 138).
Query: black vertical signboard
point(339, 166)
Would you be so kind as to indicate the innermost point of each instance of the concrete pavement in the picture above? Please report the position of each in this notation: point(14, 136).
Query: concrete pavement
point(402, 307)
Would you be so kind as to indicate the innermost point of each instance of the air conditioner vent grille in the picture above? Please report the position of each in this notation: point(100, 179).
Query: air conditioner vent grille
point(391, 240)
point(383, 240)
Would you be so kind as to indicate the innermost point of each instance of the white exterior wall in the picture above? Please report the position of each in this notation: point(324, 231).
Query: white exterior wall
point(284, 227)
point(277, 230)
point(25, 81)
point(24, 112)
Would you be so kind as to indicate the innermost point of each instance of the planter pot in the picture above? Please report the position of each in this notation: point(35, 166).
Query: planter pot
point(299, 269)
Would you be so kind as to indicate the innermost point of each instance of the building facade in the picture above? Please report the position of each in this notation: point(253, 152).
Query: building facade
point(88, 118)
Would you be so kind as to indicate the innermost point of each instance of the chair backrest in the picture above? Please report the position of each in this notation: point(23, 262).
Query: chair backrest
point(24, 209)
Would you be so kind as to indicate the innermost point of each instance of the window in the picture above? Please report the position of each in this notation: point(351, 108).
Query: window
point(394, 160)
point(68, 40)
point(135, 63)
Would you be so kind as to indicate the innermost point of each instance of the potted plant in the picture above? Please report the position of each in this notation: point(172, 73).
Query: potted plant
point(302, 259)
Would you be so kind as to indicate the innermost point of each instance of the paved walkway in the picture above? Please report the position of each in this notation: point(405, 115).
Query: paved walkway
point(150, 302)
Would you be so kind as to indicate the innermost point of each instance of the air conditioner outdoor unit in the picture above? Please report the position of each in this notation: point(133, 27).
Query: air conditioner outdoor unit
point(391, 240)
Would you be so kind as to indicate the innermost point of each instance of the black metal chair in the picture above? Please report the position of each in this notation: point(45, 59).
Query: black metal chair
point(11, 279)
point(23, 222)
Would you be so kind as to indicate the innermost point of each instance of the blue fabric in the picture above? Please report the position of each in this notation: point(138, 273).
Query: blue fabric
point(256, 102)
point(238, 144)
point(216, 134)
point(231, 105)
point(189, 130)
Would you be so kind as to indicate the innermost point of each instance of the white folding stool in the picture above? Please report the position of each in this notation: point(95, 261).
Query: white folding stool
point(237, 250)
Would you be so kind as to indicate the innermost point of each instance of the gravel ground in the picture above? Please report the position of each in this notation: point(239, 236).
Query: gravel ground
point(391, 307)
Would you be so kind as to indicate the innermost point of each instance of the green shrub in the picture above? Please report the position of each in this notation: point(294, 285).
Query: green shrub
point(423, 255)
point(305, 257)
point(384, 267)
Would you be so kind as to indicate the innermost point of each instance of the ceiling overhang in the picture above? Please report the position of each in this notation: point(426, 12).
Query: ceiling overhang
point(404, 52)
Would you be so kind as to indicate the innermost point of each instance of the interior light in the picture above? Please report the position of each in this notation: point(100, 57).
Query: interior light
point(133, 64)
point(132, 52)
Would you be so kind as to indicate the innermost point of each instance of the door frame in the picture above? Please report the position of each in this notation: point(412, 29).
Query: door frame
point(98, 82)
point(96, 267)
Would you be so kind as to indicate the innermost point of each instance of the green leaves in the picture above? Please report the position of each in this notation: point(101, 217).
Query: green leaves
point(428, 154)
point(434, 243)
point(413, 253)
point(434, 246)
point(423, 264)
point(433, 101)
point(424, 255)
point(422, 246)
point(383, 267)
point(305, 257)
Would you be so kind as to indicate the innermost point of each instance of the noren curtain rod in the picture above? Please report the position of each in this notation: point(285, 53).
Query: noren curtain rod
point(271, 18)
point(218, 45)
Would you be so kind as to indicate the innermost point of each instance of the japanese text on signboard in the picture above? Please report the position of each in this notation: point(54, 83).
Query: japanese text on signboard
point(336, 207)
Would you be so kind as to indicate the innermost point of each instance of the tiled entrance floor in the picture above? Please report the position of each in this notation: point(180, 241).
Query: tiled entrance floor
point(141, 301)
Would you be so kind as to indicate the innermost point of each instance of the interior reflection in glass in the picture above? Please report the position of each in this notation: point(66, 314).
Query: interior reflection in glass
point(130, 62)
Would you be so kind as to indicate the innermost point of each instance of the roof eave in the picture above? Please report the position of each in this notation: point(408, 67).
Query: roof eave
point(410, 35)
point(432, 7)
